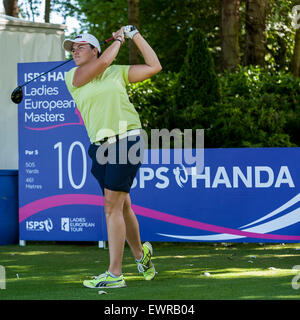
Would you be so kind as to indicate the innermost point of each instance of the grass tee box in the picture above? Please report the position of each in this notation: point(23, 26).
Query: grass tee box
point(186, 271)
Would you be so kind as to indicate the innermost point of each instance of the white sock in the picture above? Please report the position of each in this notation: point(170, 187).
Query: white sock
point(112, 275)
point(141, 258)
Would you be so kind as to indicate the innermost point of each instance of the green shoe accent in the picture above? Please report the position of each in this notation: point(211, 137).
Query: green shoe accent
point(146, 267)
point(105, 280)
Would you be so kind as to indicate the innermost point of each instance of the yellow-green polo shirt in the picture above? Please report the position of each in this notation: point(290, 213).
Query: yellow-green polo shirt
point(104, 103)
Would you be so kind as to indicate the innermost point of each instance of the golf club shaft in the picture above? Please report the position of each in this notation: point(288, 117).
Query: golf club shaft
point(42, 74)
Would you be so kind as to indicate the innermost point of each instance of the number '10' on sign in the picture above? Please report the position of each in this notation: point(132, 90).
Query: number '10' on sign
point(59, 147)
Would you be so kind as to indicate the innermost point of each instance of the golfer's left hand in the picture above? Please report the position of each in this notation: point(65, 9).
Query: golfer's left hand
point(119, 34)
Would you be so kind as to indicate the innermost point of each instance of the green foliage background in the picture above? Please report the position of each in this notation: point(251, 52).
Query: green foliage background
point(251, 107)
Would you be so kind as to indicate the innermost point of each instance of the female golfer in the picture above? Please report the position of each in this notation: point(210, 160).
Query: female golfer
point(113, 125)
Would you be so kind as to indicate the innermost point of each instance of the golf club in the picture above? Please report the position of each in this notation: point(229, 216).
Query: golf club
point(17, 94)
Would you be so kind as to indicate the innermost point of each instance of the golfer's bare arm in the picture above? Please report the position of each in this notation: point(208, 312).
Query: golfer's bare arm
point(92, 69)
point(152, 65)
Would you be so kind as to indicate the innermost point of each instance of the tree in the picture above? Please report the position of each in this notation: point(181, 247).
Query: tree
point(230, 34)
point(30, 9)
point(256, 14)
point(262, 26)
point(11, 8)
point(133, 19)
point(47, 10)
point(296, 54)
point(296, 57)
point(197, 80)
point(168, 25)
point(165, 24)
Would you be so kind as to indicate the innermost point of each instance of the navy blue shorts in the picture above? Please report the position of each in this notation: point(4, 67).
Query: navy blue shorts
point(115, 165)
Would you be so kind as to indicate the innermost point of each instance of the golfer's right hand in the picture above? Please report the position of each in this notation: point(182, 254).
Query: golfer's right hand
point(130, 31)
point(119, 35)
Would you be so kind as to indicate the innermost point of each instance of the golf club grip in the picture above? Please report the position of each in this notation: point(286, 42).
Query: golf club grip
point(107, 40)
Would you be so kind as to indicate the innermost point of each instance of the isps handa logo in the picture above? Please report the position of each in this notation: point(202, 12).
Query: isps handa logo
point(235, 177)
point(44, 225)
point(181, 175)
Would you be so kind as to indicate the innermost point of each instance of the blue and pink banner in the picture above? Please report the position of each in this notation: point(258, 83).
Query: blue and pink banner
point(242, 195)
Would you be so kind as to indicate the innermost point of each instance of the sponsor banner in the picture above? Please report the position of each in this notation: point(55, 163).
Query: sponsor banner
point(243, 195)
point(58, 197)
point(238, 195)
